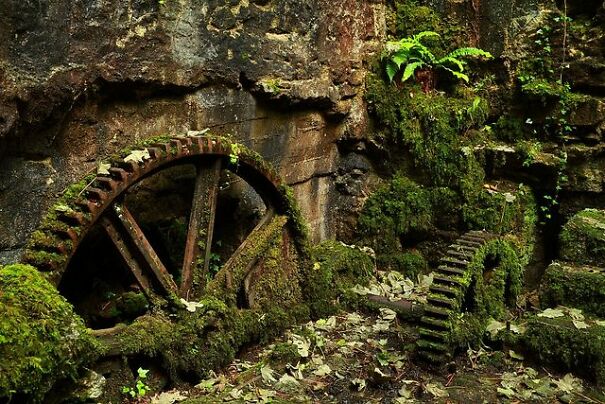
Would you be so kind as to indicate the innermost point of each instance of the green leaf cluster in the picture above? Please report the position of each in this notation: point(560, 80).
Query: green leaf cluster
point(410, 54)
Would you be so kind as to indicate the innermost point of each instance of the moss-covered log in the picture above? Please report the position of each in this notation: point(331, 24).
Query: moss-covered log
point(582, 239)
point(41, 339)
point(574, 286)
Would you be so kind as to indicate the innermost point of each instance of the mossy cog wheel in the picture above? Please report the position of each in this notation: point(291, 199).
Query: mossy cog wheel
point(163, 222)
point(479, 276)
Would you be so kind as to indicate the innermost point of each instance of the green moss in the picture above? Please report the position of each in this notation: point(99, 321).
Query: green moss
point(505, 209)
point(574, 286)
point(277, 283)
point(491, 284)
point(433, 127)
point(411, 17)
point(257, 245)
point(558, 342)
point(41, 339)
point(410, 263)
point(498, 278)
point(194, 343)
point(336, 268)
point(398, 209)
point(582, 239)
point(284, 352)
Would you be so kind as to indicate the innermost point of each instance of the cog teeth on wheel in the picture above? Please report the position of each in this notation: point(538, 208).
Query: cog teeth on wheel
point(446, 292)
point(448, 280)
point(471, 242)
point(455, 262)
point(450, 270)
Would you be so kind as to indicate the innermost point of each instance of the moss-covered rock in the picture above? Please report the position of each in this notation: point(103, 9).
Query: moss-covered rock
point(336, 268)
point(582, 238)
point(409, 263)
point(575, 286)
point(559, 342)
point(41, 339)
point(400, 209)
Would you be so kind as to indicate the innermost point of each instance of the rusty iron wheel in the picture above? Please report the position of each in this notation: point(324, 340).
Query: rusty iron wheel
point(102, 206)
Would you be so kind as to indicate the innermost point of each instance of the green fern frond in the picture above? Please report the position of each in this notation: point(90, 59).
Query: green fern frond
point(466, 52)
point(391, 69)
point(425, 34)
point(410, 69)
point(458, 63)
point(458, 75)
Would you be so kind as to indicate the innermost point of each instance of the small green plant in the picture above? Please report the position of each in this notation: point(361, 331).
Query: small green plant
point(529, 151)
point(412, 58)
point(140, 388)
point(234, 155)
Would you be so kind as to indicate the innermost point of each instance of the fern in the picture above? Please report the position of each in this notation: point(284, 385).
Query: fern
point(410, 69)
point(466, 52)
point(410, 54)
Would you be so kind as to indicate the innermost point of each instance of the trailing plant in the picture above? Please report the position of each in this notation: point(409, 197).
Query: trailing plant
point(411, 57)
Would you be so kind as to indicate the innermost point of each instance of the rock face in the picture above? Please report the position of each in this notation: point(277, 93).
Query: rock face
point(81, 80)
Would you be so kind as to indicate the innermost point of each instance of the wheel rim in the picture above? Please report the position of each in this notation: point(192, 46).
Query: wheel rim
point(102, 203)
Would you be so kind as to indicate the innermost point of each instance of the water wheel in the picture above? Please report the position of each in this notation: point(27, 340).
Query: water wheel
point(167, 222)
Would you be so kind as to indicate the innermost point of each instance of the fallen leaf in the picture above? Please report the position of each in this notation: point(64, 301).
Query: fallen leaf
point(191, 306)
point(168, 397)
point(138, 156)
point(494, 327)
point(551, 313)
point(515, 355)
point(103, 168)
point(267, 374)
point(436, 390)
point(579, 324)
point(322, 370)
point(359, 383)
point(506, 391)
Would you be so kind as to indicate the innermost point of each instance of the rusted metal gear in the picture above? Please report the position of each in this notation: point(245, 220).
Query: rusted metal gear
point(101, 203)
point(451, 285)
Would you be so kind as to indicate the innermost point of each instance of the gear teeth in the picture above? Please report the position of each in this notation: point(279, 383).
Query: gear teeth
point(448, 280)
point(445, 294)
point(454, 262)
point(471, 242)
point(446, 290)
point(441, 301)
point(450, 270)
point(436, 323)
point(434, 357)
point(437, 311)
point(433, 334)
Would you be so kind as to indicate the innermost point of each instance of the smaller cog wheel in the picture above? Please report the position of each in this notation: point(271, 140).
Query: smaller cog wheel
point(459, 287)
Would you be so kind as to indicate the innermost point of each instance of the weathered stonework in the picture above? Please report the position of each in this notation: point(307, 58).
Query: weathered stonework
point(81, 80)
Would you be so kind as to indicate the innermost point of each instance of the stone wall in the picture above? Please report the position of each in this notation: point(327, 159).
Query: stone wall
point(82, 79)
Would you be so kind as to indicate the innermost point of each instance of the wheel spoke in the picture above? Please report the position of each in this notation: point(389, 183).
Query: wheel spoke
point(144, 247)
point(200, 230)
point(130, 260)
point(237, 267)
